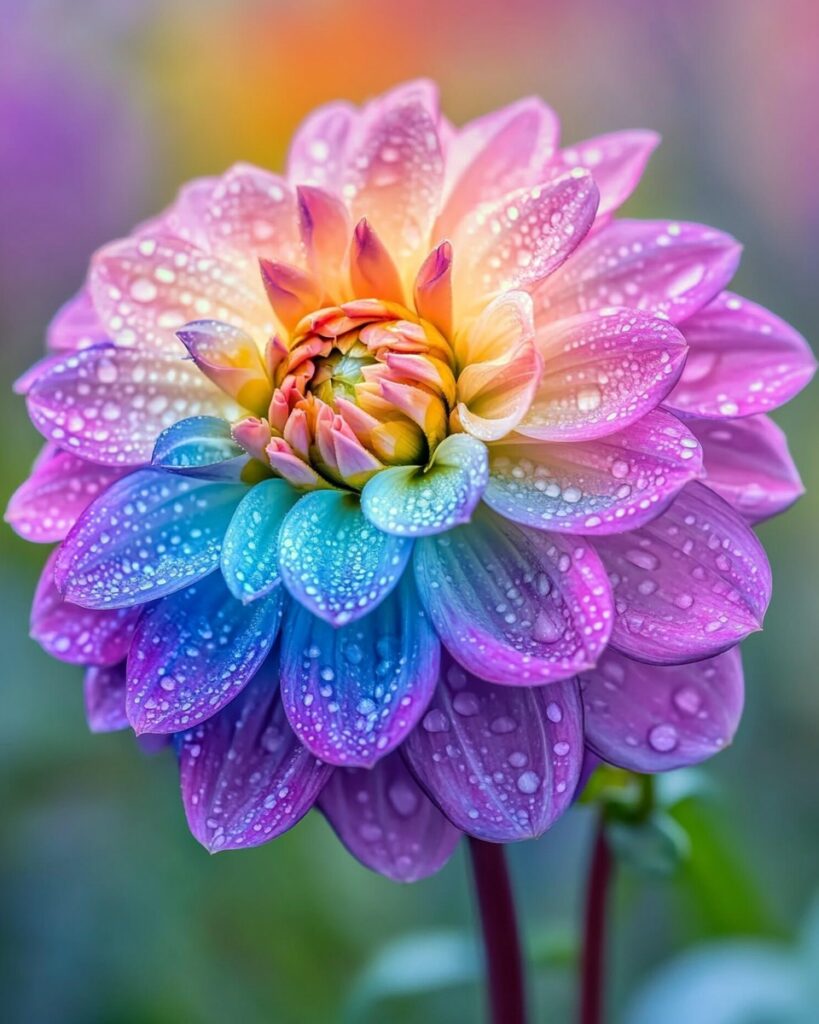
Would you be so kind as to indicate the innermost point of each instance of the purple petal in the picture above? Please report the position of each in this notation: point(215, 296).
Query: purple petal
point(353, 693)
point(603, 371)
point(76, 325)
point(514, 605)
point(387, 822)
point(651, 718)
point(104, 689)
point(149, 534)
point(690, 584)
point(193, 652)
point(743, 360)
point(317, 152)
point(665, 269)
point(109, 404)
point(502, 762)
point(747, 462)
point(79, 636)
point(60, 487)
point(594, 487)
point(245, 777)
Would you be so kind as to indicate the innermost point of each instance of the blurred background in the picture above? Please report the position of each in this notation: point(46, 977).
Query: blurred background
point(110, 913)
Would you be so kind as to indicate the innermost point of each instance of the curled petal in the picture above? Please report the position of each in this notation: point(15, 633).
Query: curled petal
point(230, 358)
point(250, 550)
point(293, 293)
point(616, 160)
point(747, 463)
point(76, 325)
point(387, 822)
point(334, 561)
point(433, 289)
point(60, 487)
point(518, 240)
point(149, 534)
point(109, 405)
point(79, 636)
point(666, 269)
point(372, 271)
point(325, 232)
point(418, 501)
point(743, 360)
point(200, 442)
point(318, 150)
point(603, 371)
point(104, 692)
point(690, 584)
point(192, 653)
point(245, 777)
point(354, 693)
point(514, 605)
point(594, 487)
point(502, 762)
point(651, 718)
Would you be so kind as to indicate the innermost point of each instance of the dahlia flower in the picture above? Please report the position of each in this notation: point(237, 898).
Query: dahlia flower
point(395, 484)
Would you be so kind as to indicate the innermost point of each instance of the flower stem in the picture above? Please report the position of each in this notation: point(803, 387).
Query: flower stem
point(594, 930)
point(504, 961)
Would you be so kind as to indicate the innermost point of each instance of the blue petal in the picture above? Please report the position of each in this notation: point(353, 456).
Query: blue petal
point(195, 443)
point(418, 501)
point(353, 694)
point(193, 652)
point(334, 561)
point(149, 534)
point(250, 550)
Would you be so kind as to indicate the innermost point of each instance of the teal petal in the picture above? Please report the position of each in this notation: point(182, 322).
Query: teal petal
point(195, 443)
point(250, 550)
point(334, 561)
point(418, 501)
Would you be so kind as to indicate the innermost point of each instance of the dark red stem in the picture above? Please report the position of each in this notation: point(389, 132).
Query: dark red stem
point(504, 962)
point(592, 968)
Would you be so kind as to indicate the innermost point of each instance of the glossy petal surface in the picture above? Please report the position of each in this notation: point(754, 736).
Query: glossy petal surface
point(616, 160)
point(199, 442)
point(104, 694)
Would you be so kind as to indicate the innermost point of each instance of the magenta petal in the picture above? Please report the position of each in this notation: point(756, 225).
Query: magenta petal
point(317, 152)
point(76, 325)
point(514, 605)
point(109, 405)
point(594, 487)
point(104, 689)
point(387, 822)
point(690, 584)
point(602, 371)
point(651, 718)
point(245, 777)
point(665, 269)
point(60, 487)
point(353, 693)
point(747, 462)
point(79, 636)
point(502, 762)
point(194, 651)
point(742, 360)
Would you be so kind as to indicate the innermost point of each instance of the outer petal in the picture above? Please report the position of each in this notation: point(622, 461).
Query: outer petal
point(245, 777)
point(649, 718)
point(76, 325)
point(387, 822)
point(197, 443)
point(518, 240)
point(80, 636)
point(690, 584)
point(747, 462)
point(743, 360)
point(104, 691)
point(666, 269)
point(109, 405)
point(514, 605)
point(603, 371)
point(318, 151)
point(502, 762)
point(150, 534)
point(193, 652)
point(594, 487)
point(334, 561)
point(418, 500)
point(353, 694)
point(250, 550)
point(47, 505)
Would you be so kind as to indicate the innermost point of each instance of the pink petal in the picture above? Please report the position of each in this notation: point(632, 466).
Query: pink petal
point(743, 360)
point(652, 718)
point(372, 271)
point(603, 371)
point(318, 150)
point(76, 325)
point(231, 359)
point(433, 289)
point(690, 584)
point(665, 269)
point(325, 233)
point(747, 462)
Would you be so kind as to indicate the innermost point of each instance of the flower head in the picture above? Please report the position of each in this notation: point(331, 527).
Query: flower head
point(400, 481)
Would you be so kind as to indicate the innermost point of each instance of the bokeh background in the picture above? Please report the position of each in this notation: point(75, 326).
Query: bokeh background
point(109, 911)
